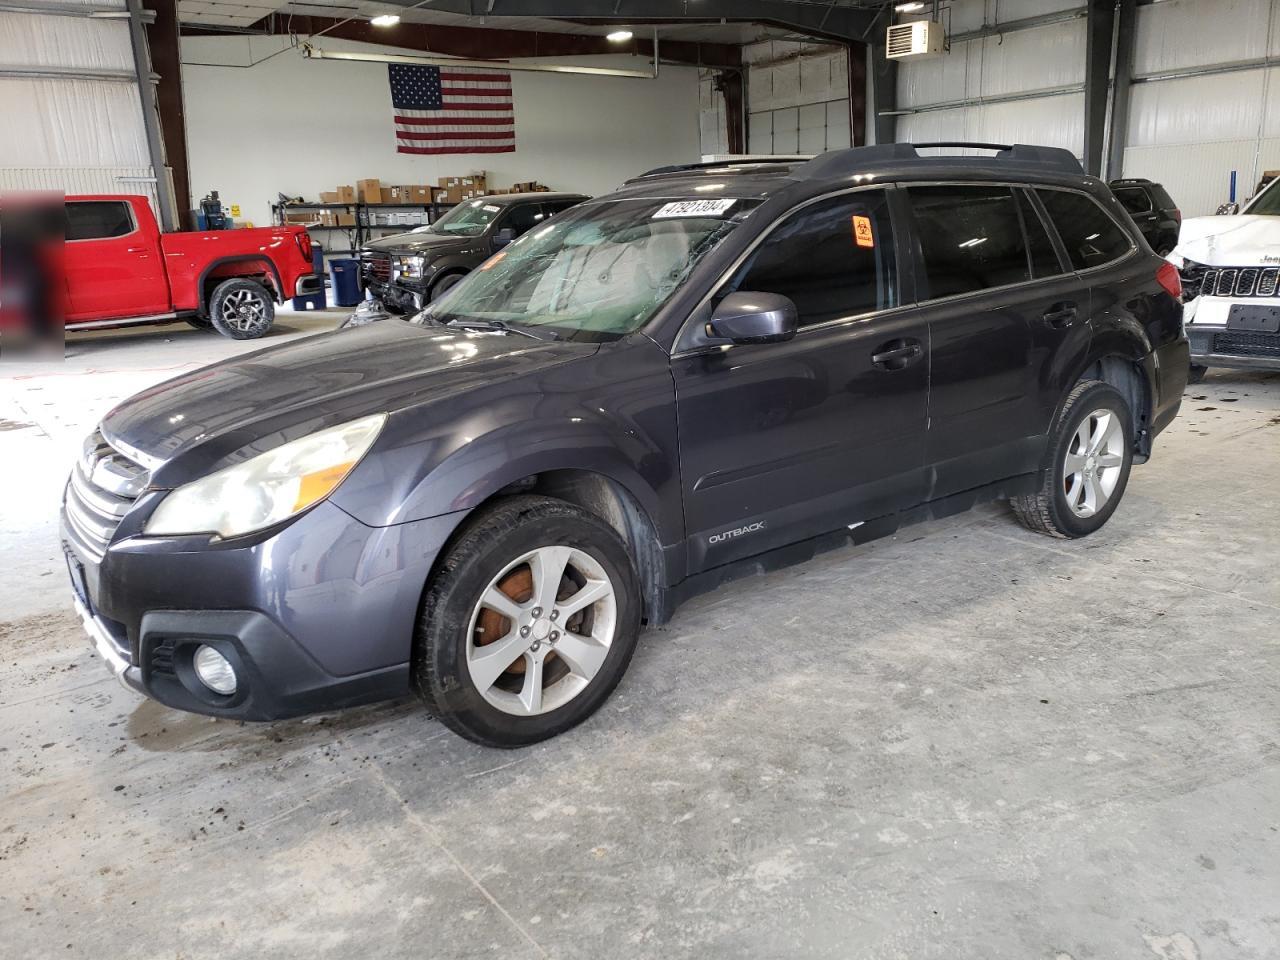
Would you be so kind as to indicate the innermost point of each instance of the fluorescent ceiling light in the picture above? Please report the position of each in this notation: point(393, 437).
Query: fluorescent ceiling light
point(385, 20)
point(909, 7)
point(619, 36)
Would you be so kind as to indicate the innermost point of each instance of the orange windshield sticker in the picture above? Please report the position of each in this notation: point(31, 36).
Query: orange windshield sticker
point(493, 261)
point(862, 232)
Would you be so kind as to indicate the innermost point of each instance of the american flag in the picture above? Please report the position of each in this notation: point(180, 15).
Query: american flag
point(452, 109)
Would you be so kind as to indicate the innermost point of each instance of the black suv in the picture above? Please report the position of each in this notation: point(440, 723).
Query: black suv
point(1152, 209)
point(410, 269)
point(712, 371)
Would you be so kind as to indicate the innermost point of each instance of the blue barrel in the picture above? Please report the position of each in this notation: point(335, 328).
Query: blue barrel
point(344, 279)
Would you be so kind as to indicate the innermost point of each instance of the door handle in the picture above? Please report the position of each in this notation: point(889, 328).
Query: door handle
point(135, 249)
point(897, 354)
point(1060, 315)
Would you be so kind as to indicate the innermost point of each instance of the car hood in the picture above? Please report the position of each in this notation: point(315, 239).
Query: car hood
point(230, 411)
point(429, 243)
point(1230, 241)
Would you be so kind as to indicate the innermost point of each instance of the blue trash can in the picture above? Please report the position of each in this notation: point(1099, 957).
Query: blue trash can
point(344, 279)
point(316, 300)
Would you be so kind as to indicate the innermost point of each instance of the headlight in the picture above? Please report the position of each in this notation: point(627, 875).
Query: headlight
point(410, 267)
point(269, 488)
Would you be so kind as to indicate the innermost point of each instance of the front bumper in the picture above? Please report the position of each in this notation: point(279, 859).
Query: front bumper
point(317, 616)
point(1213, 345)
point(398, 294)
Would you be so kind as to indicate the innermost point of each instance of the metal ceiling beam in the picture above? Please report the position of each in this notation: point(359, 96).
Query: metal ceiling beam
point(835, 21)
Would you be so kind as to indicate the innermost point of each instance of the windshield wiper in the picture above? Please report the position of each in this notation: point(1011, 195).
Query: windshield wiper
point(502, 326)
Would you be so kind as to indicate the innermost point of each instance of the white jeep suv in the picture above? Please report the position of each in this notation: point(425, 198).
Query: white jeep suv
point(1230, 267)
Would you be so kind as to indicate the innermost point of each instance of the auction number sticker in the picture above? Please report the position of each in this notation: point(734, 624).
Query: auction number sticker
point(862, 234)
point(694, 208)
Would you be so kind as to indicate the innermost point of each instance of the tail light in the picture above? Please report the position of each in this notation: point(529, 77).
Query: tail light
point(1167, 277)
point(1177, 214)
point(304, 244)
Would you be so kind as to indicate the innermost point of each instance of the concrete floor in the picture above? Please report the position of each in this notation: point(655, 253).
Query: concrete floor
point(965, 742)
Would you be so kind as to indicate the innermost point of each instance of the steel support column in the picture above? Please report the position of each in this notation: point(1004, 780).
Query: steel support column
point(857, 58)
point(1097, 75)
point(882, 93)
point(1118, 128)
point(150, 116)
point(166, 57)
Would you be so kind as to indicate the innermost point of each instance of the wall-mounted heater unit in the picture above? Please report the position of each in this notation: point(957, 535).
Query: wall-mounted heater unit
point(915, 40)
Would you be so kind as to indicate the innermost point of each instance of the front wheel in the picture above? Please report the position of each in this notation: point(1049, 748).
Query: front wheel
point(241, 309)
point(1087, 464)
point(528, 625)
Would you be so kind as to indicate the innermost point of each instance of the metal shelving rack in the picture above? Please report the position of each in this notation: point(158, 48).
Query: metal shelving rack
point(362, 231)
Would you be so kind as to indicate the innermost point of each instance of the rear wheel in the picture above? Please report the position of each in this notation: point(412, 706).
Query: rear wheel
point(241, 309)
point(529, 624)
point(1087, 464)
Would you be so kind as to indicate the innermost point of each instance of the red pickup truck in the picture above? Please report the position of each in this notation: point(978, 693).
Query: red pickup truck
point(120, 269)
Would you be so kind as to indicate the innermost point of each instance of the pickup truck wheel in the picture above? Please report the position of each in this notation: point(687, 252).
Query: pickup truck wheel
point(1087, 464)
point(241, 309)
point(445, 283)
point(529, 623)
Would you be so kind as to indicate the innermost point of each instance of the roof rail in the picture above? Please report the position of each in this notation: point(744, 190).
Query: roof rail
point(1128, 180)
point(732, 161)
point(837, 163)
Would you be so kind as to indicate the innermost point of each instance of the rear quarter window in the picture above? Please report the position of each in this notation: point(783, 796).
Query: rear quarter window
point(1091, 237)
point(1134, 199)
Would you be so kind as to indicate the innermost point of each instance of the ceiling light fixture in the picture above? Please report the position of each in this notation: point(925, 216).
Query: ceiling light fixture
point(909, 7)
point(385, 20)
point(619, 36)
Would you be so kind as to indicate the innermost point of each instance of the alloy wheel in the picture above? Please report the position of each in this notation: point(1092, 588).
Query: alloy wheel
point(1093, 463)
point(243, 310)
point(541, 630)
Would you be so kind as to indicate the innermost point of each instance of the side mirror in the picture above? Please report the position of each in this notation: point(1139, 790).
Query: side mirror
point(503, 237)
point(745, 317)
point(1227, 209)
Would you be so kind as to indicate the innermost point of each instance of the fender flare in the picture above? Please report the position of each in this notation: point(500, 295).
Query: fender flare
point(203, 303)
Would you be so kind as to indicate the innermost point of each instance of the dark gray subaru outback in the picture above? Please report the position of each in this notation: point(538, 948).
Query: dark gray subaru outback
point(715, 370)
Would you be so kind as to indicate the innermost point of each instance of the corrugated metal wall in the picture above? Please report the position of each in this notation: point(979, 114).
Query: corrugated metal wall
point(1189, 133)
point(74, 135)
point(1048, 59)
point(797, 97)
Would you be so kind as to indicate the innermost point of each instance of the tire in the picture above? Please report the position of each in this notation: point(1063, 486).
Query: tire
point(199, 322)
point(1075, 503)
point(548, 685)
point(241, 309)
point(1197, 373)
point(445, 283)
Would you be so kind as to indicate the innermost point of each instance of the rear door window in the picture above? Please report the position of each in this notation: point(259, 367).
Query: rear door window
point(833, 258)
point(970, 237)
point(1091, 237)
point(98, 219)
point(1134, 199)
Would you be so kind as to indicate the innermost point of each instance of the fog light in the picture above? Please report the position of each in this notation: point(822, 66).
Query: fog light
point(214, 670)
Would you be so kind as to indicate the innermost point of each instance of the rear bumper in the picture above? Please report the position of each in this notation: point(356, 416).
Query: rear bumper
point(308, 284)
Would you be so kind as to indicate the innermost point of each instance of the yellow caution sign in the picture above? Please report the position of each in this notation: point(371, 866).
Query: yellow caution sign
point(862, 235)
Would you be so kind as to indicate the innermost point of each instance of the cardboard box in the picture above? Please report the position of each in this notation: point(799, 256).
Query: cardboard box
point(298, 217)
point(346, 194)
point(385, 195)
point(474, 183)
point(449, 182)
point(419, 194)
point(439, 195)
point(346, 220)
point(329, 196)
point(369, 191)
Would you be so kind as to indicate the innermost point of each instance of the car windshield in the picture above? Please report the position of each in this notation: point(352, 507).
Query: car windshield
point(467, 219)
point(596, 272)
point(1267, 203)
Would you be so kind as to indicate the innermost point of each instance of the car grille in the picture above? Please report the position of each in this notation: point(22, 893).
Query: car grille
point(378, 266)
point(1243, 343)
point(103, 487)
point(1240, 282)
